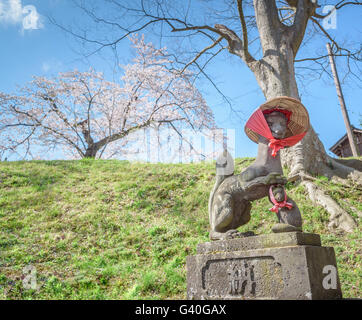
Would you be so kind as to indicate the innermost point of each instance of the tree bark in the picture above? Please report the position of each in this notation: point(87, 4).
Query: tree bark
point(91, 152)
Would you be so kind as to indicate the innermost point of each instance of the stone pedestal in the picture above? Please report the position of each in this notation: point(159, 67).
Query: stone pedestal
point(290, 265)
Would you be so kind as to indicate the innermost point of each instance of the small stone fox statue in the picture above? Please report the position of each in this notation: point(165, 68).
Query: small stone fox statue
point(230, 199)
point(287, 211)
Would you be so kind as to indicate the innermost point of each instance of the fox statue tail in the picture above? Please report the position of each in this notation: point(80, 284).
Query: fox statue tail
point(224, 168)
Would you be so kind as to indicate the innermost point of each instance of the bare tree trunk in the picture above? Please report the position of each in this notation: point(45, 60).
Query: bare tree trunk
point(91, 153)
point(275, 75)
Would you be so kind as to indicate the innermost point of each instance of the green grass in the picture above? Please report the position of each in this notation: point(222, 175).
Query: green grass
point(98, 229)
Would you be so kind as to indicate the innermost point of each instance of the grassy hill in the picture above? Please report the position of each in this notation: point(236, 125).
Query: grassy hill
point(117, 230)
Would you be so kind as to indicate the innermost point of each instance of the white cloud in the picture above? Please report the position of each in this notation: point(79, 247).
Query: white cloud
point(52, 65)
point(45, 66)
point(13, 12)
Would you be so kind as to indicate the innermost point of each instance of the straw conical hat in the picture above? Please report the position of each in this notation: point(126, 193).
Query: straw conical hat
point(299, 119)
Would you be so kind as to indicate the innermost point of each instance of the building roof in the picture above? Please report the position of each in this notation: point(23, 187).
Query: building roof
point(343, 139)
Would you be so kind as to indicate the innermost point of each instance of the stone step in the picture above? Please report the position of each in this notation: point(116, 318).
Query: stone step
point(273, 240)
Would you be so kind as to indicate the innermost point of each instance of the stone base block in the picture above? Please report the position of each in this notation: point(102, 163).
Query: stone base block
point(289, 265)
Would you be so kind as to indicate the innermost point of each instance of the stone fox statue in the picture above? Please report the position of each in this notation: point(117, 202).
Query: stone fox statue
point(230, 199)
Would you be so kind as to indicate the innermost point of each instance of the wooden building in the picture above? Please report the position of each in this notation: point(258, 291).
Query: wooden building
point(342, 148)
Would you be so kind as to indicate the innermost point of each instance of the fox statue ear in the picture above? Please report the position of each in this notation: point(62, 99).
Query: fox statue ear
point(224, 164)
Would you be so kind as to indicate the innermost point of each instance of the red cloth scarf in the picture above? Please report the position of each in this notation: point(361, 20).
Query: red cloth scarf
point(258, 124)
point(279, 205)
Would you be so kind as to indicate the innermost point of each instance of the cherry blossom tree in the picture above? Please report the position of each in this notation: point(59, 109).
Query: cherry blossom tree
point(85, 114)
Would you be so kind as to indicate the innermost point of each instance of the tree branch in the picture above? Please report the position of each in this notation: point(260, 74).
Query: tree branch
point(335, 44)
point(201, 53)
point(304, 9)
point(248, 57)
point(53, 107)
point(235, 43)
point(269, 26)
point(40, 124)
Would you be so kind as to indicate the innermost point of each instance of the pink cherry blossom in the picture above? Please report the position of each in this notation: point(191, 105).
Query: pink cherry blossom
point(84, 115)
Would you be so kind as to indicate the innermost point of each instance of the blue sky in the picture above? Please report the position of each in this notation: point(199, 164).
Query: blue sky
point(36, 47)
